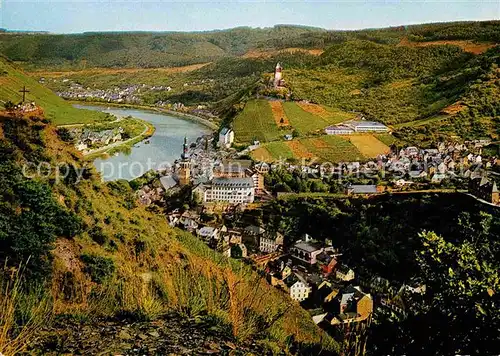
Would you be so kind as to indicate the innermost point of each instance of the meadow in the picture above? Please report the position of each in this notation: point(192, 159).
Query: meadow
point(368, 145)
point(260, 119)
point(326, 148)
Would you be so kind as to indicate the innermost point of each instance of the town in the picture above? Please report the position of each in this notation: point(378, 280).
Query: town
point(312, 273)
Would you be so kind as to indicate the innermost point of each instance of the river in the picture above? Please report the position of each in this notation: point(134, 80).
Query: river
point(164, 147)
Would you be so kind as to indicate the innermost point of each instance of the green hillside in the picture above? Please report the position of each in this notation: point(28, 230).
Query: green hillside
point(56, 109)
point(140, 49)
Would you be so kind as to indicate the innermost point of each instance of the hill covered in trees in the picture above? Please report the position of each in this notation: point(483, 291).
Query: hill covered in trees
point(166, 49)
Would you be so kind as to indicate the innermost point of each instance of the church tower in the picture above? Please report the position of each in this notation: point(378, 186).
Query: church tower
point(185, 166)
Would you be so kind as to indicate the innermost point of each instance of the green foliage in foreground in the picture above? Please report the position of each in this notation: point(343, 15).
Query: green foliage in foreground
point(30, 217)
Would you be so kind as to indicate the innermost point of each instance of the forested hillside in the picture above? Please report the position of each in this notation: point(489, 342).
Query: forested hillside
point(165, 49)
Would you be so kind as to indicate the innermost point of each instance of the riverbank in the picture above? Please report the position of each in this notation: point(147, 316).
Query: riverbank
point(210, 124)
point(148, 131)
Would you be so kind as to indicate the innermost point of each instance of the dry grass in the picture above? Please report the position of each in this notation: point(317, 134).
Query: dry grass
point(454, 108)
point(299, 150)
point(261, 154)
point(368, 145)
point(106, 71)
point(279, 113)
point(467, 46)
point(21, 314)
point(314, 109)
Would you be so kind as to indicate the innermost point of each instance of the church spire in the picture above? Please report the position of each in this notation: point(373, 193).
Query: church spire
point(185, 154)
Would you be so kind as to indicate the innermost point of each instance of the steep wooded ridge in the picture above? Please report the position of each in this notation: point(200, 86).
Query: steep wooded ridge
point(75, 252)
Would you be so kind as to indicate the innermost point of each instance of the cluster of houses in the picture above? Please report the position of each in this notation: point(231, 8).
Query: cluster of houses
point(127, 94)
point(309, 271)
point(406, 166)
point(87, 139)
point(359, 125)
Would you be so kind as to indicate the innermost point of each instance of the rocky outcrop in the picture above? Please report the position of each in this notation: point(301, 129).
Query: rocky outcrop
point(171, 335)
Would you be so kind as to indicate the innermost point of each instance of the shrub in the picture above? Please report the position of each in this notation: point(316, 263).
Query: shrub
point(97, 267)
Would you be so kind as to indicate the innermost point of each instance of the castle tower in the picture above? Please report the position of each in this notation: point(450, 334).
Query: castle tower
point(184, 174)
point(277, 75)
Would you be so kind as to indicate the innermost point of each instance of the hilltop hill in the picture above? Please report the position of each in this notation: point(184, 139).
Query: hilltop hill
point(56, 109)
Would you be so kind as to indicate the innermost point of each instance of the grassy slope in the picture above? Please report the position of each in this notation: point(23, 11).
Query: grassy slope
point(256, 122)
point(56, 109)
point(157, 269)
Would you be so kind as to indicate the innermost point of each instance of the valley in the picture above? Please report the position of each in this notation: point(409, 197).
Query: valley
point(301, 191)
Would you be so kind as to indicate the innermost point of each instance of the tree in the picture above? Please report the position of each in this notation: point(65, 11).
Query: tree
point(462, 301)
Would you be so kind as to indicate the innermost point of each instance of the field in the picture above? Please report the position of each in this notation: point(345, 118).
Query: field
point(55, 108)
point(333, 149)
point(272, 152)
point(299, 150)
point(316, 118)
point(386, 138)
point(278, 113)
point(324, 148)
point(261, 120)
point(467, 46)
point(368, 145)
point(256, 122)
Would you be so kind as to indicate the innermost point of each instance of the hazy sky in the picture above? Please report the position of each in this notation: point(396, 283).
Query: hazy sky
point(174, 15)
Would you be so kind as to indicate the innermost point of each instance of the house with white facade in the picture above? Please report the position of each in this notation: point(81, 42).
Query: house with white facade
point(270, 243)
point(339, 130)
point(306, 250)
point(356, 126)
point(226, 137)
point(298, 287)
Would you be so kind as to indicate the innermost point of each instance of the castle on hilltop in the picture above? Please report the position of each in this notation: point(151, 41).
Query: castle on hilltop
point(278, 76)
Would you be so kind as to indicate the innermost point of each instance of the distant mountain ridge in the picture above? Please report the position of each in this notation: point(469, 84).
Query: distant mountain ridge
point(165, 49)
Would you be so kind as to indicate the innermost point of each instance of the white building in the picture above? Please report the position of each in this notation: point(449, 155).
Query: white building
point(354, 126)
point(306, 251)
point(339, 130)
point(269, 243)
point(226, 137)
point(368, 126)
point(300, 289)
point(230, 190)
